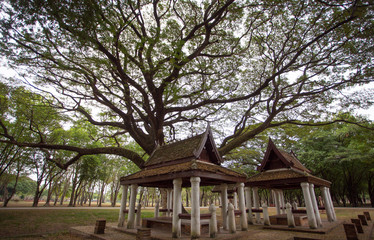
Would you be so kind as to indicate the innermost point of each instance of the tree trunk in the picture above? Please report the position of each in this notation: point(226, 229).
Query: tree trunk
point(101, 199)
point(115, 198)
point(74, 185)
point(7, 199)
point(49, 195)
point(202, 197)
point(56, 198)
point(65, 189)
point(78, 191)
point(36, 197)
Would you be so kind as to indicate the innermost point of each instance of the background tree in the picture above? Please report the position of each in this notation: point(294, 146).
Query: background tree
point(158, 70)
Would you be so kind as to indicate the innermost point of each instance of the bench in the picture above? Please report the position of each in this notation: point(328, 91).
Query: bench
point(299, 211)
point(254, 210)
point(165, 210)
point(188, 216)
point(127, 211)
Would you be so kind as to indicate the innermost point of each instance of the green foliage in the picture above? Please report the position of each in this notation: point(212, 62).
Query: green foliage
point(25, 186)
point(139, 71)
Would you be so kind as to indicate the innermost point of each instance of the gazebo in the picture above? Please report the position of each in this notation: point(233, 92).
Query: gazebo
point(280, 171)
point(192, 162)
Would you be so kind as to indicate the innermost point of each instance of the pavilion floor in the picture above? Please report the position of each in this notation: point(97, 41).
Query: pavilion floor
point(330, 231)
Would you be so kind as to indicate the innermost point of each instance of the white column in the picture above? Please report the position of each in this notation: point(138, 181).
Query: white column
point(231, 213)
point(276, 199)
point(168, 201)
point(224, 205)
point(309, 205)
point(256, 203)
point(331, 203)
point(326, 201)
point(131, 215)
point(248, 202)
point(157, 208)
point(294, 205)
point(282, 205)
point(138, 215)
point(266, 214)
point(315, 205)
point(177, 208)
point(290, 218)
point(243, 216)
point(213, 229)
point(195, 207)
point(235, 199)
point(121, 218)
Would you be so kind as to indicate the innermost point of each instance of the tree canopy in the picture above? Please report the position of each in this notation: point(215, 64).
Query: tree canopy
point(151, 71)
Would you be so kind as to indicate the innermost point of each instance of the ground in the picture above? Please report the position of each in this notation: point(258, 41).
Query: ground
point(54, 223)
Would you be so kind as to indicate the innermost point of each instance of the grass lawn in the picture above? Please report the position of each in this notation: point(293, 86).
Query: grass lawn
point(28, 222)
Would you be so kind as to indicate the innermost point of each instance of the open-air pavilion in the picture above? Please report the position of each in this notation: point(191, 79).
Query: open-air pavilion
point(193, 162)
point(281, 171)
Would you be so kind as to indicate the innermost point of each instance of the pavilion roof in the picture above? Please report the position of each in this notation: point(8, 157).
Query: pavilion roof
point(282, 170)
point(286, 178)
point(210, 173)
point(277, 158)
point(193, 157)
point(187, 149)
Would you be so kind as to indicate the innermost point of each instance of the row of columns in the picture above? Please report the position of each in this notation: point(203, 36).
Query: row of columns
point(314, 218)
point(245, 202)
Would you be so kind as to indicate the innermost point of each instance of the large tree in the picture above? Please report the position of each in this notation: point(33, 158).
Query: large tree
point(155, 69)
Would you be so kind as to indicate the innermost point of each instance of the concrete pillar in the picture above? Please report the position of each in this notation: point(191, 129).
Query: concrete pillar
point(266, 214)
point(309, 205)
point(235, 199)
point(294, 205)
point(277, 202)
point(195, 207)
point(157, 208)
point(248, 202)
point(290, 218)
point(282, 206)
point(138, 215)
point(224, 205)
point(177, 208)
point(256, 203)
point(326, 201)
point(213, 229)
point(315, 205)
point(131, 215)
point(121, 218)
point(169, 197)
point(231, 213)
point(243, 216)
point(331, 203)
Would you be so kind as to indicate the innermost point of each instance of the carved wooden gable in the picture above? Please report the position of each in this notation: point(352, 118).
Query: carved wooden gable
point(276, 159)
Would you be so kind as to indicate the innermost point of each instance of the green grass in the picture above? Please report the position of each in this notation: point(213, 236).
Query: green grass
point(40, 221)
point(29, 222)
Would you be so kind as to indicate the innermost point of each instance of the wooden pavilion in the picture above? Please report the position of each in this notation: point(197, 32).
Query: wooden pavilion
point(193, 162)
point(280, 171)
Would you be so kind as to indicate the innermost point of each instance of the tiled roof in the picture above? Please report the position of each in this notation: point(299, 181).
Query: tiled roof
point(183, 167)
point(285, 177)
point(277, 175)
point(293, 160)
point(288, 159)
point(175, 151)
